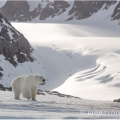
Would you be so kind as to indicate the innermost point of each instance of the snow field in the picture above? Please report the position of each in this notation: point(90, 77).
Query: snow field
point(50, 106)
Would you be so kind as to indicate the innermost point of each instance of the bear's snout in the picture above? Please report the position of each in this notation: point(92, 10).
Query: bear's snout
point(43, 82)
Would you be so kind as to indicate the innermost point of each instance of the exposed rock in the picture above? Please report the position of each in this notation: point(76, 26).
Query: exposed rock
point(13, 45)
point(41, 92)
point(1, 72)
point(1, 75)
point(8, 88)
point(16, 10)
point(117, 100)
point(84, 9)
point(53, 92)
point(116, 13)
point(1, 69)
point(61, 95)
point(46, 91)
point(20, 10)
point(2, 87)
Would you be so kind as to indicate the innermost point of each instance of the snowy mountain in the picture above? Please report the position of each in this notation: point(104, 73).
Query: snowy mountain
point(54, 10)
point(14, 47)
point(15, 53)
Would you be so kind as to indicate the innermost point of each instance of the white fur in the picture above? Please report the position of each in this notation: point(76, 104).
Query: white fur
point(27, 85)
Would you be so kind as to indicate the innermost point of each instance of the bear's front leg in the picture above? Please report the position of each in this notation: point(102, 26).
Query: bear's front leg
point(26, 94)
point(33, 93)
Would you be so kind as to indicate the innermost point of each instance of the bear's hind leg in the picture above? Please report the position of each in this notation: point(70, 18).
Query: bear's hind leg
point(26, 94)
point(34, 92)
point(17, 93)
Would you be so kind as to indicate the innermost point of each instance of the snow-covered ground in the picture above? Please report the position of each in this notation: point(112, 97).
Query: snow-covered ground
point(54, 107)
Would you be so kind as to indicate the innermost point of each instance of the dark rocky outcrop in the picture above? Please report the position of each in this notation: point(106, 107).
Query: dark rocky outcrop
point(1, 72)
point(84, 9)
point(117, 100)
point(13, 45)
point(41, 92)
point(60, 7)
point(8, 88)
point(16, 10)
point(116, 13)
point(2, 88)
point(20, 10)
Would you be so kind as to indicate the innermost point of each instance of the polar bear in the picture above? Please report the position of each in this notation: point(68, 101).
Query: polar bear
point(27, 85)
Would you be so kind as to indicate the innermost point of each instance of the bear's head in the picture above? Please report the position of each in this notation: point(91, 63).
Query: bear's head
point(40, 79)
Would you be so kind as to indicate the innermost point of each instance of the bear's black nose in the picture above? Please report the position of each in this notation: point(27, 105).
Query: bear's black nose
point(44, 80)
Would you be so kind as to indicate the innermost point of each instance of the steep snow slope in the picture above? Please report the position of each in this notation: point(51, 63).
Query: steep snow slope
point(54, 107)
point(101, 53)
point(84, 67)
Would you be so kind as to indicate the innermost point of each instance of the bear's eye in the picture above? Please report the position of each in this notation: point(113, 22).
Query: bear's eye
point(36, 76)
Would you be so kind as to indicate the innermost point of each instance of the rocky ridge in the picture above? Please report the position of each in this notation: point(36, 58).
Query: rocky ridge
point(45, 92)
point(85, 9)
point(44, 9)
point(117, 100)
point(13, 45)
